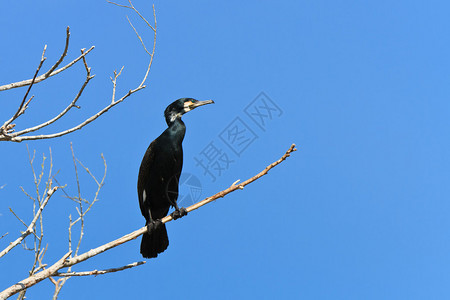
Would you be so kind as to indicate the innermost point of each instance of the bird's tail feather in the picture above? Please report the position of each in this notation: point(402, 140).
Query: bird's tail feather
point(154, 243)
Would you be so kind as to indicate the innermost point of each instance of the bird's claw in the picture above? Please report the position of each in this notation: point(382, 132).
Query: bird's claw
point(153, 225)
point(179, 213)
point(183, 211)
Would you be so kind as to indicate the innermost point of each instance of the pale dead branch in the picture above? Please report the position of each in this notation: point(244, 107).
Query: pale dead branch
point(51, 71)
point(62, 113)
point(99, 272)
point(7, 127)
point(7, 130)
point(36, 278)
point(68, 262)
point(82, 211)
point(36, 226)
point(30, 228)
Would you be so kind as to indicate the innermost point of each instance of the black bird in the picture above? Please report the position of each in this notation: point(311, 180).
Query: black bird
point(159, 174)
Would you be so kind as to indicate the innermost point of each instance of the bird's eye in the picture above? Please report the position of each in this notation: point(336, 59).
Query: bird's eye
point(193, 100)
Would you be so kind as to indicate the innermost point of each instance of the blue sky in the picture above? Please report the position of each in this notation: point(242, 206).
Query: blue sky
point(360, 211)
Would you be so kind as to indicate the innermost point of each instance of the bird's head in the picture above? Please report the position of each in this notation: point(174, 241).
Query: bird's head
point(181, 106)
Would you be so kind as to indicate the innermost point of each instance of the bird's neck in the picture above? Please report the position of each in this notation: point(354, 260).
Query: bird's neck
point(177, 130)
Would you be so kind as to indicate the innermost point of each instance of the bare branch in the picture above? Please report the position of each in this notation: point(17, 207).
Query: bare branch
point(139, 37)
point(62, 113)
point(81, 214)
point(38, 232)
point(17, 217)
point(136, 11)
point(20, 136)
point(114, 81)
point(99, 272)
point(120, 5)
point(28, 195)
point(133, 235)
point(80, 211)
point(79, 126)
point(66, 47)
point(51, 71)
point(4, 129)
point(32, 280)
point(30, 228)
point(241, 186)
point(154, 43)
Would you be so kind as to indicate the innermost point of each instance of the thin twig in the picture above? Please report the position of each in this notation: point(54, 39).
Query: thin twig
point(99, 272)
point(51, 72)
point(30, 227)
point(80, 211)
point(66, 48)
point(28, 195)
point(37, 242)
point(62, 113)
point(47, 74)
point(133, 8)
point(138, 36)
point(15, 215)
point(21, 109)
point(81, 214)
point(114, 81)
point(38, 251)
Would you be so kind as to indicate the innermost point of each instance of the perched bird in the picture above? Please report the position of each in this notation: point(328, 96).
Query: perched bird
point(159, 174)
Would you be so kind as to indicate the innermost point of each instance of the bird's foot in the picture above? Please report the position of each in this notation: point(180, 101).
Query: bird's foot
point(153, 225)
point(179, 213)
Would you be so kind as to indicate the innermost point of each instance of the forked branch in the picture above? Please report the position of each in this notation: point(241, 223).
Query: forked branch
point(30, 228)
point(51, 71)
point(68, 262)
point(7, 130)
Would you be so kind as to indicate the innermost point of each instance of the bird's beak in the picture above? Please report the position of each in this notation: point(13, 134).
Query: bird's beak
point(200, 103)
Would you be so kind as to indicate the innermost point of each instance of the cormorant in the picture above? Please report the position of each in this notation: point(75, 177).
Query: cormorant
point(159, 174)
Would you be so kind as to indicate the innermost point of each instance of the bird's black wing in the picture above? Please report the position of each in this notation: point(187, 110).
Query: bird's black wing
point(144, 178)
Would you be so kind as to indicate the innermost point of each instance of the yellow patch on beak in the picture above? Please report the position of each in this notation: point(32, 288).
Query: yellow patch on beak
point(188, 103)
point(187, 106)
